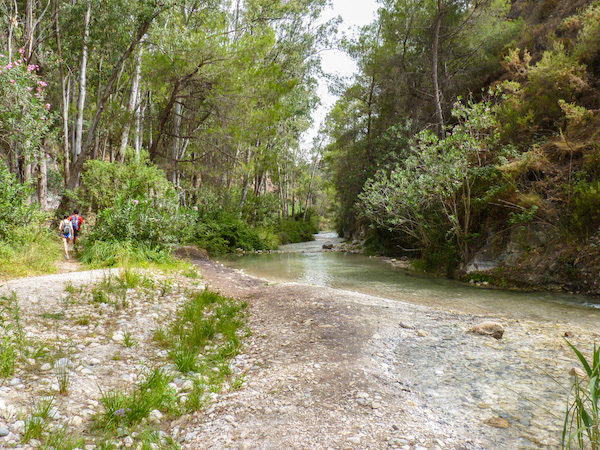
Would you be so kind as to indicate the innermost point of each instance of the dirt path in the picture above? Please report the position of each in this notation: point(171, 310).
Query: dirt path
point(323, 369)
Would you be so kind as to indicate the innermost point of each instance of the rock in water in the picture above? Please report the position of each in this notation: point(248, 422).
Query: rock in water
point(498, 422)
point(493, 329)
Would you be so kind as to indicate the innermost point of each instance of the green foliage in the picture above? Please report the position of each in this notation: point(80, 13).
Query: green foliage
point(12, 337)
point(582, 419)
point(124, 410)
point(588, 38)
point(103, 183)
point(134, 230)
point(16, 211)
point(297, 230)
point(557, 76)
point(539, 96)
point(525, 216)
point(430, 191)
point(25, 119)
point(39, 422)
point(586, 207)
point(31, 251)
point(222, 232)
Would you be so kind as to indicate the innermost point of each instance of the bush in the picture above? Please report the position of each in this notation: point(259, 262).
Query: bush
point(15, 210)
point(103, 182)
point(300, 228)
point(135, 230)
point(224, 232)
point(586, 207)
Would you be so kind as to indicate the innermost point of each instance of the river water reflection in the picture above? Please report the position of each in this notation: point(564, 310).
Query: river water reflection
point(306, 263)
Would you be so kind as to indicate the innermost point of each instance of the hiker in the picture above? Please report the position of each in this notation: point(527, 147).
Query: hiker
point(66, 233)
point(76, 223)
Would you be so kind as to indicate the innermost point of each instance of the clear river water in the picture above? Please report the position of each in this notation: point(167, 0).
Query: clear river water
point(524, 378)
point(307, 263)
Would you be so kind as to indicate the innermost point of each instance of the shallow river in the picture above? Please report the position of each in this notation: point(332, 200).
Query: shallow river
point(517, 378)
point(307, 263)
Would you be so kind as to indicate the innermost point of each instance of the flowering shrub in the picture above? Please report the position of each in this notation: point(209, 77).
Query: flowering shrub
point(25, 116)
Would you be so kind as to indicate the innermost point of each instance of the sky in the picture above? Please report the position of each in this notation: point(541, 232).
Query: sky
point(354, 13)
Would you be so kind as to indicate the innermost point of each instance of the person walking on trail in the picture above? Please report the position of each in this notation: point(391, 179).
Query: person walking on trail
point(76, 223)
point(66, 233)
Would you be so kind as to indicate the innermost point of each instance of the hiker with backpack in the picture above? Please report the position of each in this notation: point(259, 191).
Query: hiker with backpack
point(76, 223)
point(66, 233)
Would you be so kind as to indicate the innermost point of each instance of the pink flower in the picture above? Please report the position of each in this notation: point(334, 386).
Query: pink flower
point(43, 117)
point(48, 106)
point(196, 208)
point(29, 88)
point(8, 66)
point(42, 83)
point(21, 51)
point(47, 156)
point(12, 81)
point(136, 202)
point(30, 67)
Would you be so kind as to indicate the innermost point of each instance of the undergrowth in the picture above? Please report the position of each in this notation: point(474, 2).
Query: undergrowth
point(30, 251)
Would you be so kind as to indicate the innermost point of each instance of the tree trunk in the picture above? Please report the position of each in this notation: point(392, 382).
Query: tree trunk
point(43, 184)
point(86, 149)
point(139, 129)
point(312, 176)
point(133, 101)
point(436, 90)
point(82, 86)
point(65, 94)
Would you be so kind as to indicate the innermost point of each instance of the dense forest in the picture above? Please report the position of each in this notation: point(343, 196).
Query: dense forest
point(467, 140)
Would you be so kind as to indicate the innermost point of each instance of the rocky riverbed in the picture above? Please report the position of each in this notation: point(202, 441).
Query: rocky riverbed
point(323, 369)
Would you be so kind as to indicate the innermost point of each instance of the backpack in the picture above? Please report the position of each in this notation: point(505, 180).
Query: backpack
point(67, 228)
point(75, 222)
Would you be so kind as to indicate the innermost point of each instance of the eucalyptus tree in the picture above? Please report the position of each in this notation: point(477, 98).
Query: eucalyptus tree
point(134, 18)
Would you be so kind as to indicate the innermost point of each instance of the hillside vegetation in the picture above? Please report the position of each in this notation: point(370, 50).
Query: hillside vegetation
point(486, 164)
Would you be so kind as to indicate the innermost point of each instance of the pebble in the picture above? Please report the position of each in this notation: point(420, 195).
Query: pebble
point(4, 431)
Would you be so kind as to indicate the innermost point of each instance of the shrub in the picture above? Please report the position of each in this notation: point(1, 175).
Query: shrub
point(586, 207)
point(25, 116)
point(291, 231)
point(224, 232)
point(104, 182)
point(299, 228)
point(15, 210)
point(134, 230)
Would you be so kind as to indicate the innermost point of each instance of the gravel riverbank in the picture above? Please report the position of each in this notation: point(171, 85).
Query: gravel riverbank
point(323, 369)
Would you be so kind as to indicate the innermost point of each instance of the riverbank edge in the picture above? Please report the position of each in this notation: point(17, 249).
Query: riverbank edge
point(536, 271)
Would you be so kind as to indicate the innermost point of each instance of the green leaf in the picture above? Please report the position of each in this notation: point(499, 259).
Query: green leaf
point(584, 362)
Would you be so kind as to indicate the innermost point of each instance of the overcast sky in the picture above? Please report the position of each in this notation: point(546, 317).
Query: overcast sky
point(354, 13)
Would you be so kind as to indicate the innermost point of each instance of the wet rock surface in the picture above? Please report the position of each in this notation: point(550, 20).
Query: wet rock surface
point(323, 369)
